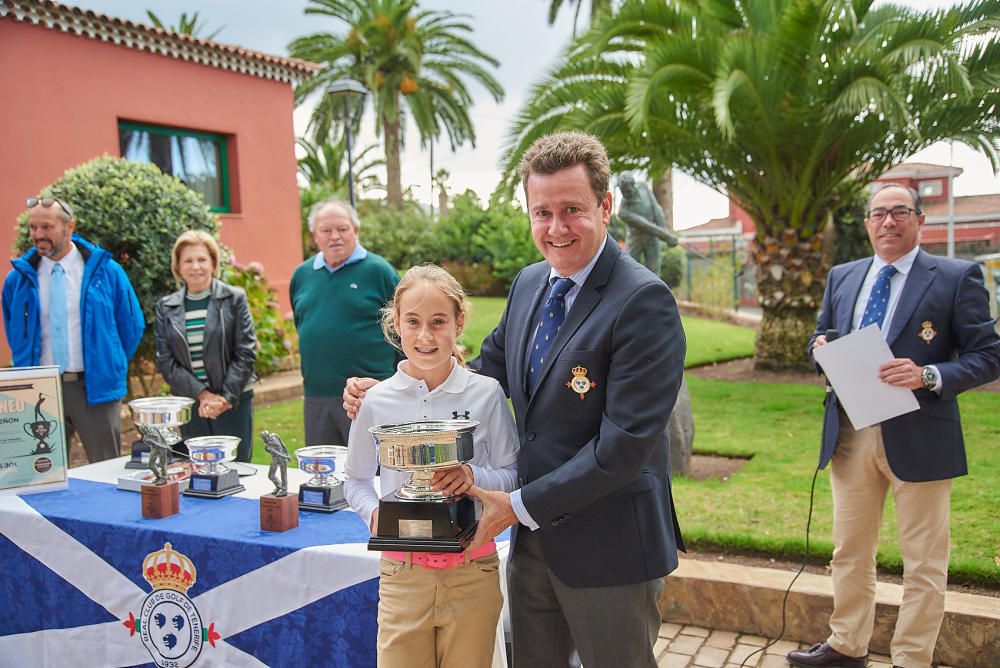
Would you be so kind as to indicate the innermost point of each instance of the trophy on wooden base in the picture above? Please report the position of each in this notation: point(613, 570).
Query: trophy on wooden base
point(158, 420)
point(212, 479)
point(324, 493)
point(278, 510)
point(417, 517)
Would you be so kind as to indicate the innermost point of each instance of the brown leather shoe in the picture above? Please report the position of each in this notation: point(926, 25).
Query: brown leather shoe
point(821, 654)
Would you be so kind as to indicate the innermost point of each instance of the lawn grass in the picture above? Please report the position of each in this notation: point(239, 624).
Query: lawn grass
point(708, 340)
point(763, 507)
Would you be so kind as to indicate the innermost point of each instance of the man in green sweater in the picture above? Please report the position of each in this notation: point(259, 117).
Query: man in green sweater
point(336, 297)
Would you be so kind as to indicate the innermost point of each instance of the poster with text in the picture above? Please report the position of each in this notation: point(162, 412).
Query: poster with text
point(32, 431)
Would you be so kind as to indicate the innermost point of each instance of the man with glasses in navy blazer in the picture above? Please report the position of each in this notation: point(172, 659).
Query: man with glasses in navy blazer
point(934, 314)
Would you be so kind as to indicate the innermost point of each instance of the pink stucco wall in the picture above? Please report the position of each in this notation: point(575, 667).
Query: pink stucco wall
point(61, 97)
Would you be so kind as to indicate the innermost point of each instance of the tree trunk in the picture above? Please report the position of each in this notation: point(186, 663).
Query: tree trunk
point(393, 181)
point(791, 273)
point(663, 191)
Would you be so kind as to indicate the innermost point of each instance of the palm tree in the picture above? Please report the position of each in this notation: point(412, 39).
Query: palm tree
point(597, 8)
point(400, 54)
point(185, 26)
point(326, 164)
point(786, 106)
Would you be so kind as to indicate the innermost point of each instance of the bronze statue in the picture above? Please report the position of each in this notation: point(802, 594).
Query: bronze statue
point(159, 450)
point(279, 461)
point(645, 221)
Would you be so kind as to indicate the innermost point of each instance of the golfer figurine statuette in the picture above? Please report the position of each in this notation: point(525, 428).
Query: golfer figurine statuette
point(158, 420)
point(278, 510)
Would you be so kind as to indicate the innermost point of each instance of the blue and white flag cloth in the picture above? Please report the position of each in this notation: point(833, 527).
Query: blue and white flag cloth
point(88, 582)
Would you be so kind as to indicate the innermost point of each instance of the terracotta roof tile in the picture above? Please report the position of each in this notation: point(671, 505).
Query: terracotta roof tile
point(92, 25)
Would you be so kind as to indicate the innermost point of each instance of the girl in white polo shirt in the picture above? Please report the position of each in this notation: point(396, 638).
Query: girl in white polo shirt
point(434, 609)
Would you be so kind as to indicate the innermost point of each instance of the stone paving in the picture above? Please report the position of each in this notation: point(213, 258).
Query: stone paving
point(682, 646)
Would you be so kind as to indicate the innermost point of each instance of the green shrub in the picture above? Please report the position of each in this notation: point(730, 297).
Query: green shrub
point(404, 237)
point(135, 212)
point(276, 336)
point(477, 278)
point(673, 264)
point(506, 238)
point(496, 240)
point(457, 229)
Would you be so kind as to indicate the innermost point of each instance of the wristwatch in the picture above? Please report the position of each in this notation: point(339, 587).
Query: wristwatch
point(929, 376)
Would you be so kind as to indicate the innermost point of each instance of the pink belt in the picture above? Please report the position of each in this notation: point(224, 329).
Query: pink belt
point(442, 559)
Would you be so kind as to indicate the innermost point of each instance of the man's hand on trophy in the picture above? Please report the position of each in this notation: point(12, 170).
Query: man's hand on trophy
point(497, 515)
point(354, 392)
point(453, 481)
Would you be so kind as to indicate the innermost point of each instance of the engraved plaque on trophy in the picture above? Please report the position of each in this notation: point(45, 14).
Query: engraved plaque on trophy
point(158, 420)
point(212, 479)
point(417, 517)
point(324, 492)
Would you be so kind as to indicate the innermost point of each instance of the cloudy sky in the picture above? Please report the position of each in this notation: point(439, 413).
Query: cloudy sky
point(513, 31)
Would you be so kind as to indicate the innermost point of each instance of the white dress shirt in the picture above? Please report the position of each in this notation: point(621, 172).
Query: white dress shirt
point(72, 263)
point(903, 267)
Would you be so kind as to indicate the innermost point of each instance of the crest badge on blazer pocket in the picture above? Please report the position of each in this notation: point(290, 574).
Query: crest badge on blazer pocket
point(580, 383)
point(927, 332)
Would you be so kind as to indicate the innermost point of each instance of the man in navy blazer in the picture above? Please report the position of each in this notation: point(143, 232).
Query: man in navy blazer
point(936, 319)
point(595, 529)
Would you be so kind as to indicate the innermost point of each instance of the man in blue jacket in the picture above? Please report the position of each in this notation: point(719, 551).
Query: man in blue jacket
point(68, 303)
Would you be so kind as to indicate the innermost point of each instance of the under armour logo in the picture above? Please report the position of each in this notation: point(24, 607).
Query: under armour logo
point(456, 416)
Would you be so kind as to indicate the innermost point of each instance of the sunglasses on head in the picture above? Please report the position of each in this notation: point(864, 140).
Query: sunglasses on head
point(46, 202)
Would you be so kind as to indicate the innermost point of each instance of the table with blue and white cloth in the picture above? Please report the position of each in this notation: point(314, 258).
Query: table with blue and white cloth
point(72, 586)
point(72, 574)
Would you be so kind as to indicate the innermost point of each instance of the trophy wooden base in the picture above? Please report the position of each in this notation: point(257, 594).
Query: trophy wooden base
point(424, 526)
point(278, 513)
point(214, 486)
point(322, 499)
point(159, 501)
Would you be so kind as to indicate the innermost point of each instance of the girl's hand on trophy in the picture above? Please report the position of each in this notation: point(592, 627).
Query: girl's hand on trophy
point(453, 481)
point(373, 525)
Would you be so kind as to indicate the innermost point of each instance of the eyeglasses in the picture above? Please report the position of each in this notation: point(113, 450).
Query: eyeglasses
point(46, 202)
point(899, 213)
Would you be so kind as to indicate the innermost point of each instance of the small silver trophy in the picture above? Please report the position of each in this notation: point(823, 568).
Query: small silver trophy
point(417, 517)
point(212, 478)
point(325, 490)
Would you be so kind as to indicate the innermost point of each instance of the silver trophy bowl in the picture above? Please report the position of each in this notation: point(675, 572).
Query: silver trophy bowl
point(166, 412)
point(422, 447)
point(211, 452)
point(325, 462)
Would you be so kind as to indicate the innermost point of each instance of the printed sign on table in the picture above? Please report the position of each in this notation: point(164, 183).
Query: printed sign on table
point(32, 431)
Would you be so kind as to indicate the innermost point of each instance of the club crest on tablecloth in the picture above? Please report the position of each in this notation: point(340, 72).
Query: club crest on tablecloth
point(169, 624)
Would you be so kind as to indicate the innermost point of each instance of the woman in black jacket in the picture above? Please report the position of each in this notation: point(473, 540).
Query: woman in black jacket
point(206, 344)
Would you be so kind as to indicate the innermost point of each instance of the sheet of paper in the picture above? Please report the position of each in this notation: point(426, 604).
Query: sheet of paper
point(851, 365)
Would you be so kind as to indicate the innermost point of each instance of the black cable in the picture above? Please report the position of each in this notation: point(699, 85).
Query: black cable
point(805, 561)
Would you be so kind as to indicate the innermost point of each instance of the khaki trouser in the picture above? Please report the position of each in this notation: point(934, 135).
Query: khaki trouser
point(860, 476)
point(438, 617)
